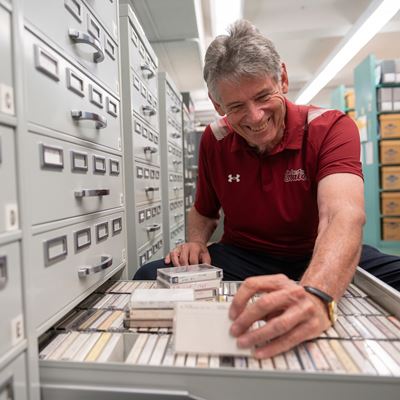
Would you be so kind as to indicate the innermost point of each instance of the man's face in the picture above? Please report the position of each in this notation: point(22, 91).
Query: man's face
point(255, 107)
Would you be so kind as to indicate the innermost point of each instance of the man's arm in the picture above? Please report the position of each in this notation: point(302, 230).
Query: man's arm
point(200, 229)
point(292, 314)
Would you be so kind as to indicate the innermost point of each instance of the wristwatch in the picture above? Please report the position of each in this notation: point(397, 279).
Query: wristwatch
point(328, 300)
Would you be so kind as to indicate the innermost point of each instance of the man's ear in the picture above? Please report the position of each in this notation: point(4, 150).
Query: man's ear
point(284, 79)
point(217, 106)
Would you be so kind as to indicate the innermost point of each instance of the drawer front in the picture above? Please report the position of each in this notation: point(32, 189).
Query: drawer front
point(78, 32)
point(148, 224)
point(84, 109)
point(151, 251)
point(174, 105)
point(73, 179)
point(175, 186)
point(69, 260)
point(6, 75)
point(177, 215)
point(148, 183)
point(143, 102)
point(107, 13)
point(142, 63)
point(175, 162)
point(145, 142)
point(174, 132)
point(8, 196)
point(13, 380)
point(177, 235)
point(11, 322)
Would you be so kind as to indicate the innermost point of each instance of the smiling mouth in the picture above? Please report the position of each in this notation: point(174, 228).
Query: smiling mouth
point(260, 128)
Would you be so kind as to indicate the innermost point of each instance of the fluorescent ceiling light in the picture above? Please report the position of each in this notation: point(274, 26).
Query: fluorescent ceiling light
point(224, 12)
point(371, 21)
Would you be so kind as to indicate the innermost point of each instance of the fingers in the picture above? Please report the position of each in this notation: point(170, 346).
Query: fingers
point(267, 305)
point(188, 254)
point(253, 285)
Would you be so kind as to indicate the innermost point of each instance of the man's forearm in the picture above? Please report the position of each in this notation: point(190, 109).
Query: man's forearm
point(200, 228)
point(336, 254)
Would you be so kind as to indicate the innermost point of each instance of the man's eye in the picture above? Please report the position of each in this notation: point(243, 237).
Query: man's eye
point(265, 97)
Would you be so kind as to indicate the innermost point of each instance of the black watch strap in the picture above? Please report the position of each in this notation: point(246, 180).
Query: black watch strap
point(319, 293)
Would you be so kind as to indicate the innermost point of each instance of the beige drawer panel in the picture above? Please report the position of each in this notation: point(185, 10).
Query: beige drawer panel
point(68, 261)
point(11, 322)
point(84, 109)
point(148, 183)
point(70, 180)
point(148, 223)
point(79, 33)
point(145, 142)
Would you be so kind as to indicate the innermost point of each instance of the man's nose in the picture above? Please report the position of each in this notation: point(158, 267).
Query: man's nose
point(255, 113)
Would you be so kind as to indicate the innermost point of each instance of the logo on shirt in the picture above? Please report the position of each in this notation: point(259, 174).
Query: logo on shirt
point(295, 175)
point(232, 178)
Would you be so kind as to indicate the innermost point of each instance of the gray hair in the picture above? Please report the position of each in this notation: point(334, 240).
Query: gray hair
point(243, 52)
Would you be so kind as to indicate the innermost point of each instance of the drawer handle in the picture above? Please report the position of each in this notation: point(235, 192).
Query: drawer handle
point(175, 109)
point(101, 122)
point(176, 135)
point(148, 111)
point(91, 193)
point(81, 37)
point(3, 271)
point(150, 149)
point(179, 241)
point(153, 228)
point(176, 162)
point(106, 261)
point(148, 72)
point(178, 216)
point(151, 189)
point(190, 184)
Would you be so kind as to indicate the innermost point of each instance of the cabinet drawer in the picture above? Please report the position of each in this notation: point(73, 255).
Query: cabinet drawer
point(77, 31)
point(177, 235)
point(8, 196)
point(175, 186)
point(13, 379)
point(390, 177)
point(143, 102)
point(175, 161)
point(6, 67)
point(390, 151)
point(148, 183)
point(73, 179)
point(177, 216)
point(145, 142)
point(390, 202)
point(174, 132)
point(148, 224)
point(84, 109)
point(10, 297)
point(107, 12)
point(154, 250)
point(68, 261)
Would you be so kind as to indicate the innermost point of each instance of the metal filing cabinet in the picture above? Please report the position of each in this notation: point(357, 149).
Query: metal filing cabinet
point(141, 143)
point(171, 161)
point(73, 153)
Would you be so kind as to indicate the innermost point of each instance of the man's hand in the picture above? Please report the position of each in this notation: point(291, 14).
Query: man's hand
point(188, 254)
point(291, 314)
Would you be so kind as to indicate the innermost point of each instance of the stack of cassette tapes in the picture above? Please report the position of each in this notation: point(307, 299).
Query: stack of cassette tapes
point(154, 308)
point(204, 279)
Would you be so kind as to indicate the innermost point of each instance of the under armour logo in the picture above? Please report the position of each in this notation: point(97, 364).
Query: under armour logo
point(232, 178)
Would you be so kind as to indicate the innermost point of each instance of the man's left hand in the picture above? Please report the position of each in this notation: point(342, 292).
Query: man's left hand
point(291, 314)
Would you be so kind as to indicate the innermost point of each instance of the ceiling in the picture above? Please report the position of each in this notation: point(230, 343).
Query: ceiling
point(305, 32)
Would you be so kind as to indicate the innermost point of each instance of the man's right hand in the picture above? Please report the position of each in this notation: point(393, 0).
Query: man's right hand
point(188, 254)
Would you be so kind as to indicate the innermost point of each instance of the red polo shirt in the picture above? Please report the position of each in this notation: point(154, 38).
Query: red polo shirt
point(270, 201)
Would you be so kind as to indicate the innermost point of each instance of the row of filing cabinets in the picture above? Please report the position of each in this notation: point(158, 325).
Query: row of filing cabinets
point(13, 369)
point(171, 160)
point(142, 143)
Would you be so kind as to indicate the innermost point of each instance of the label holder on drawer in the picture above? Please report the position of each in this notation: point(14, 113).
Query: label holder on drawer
point(114, 167)
point(3, 272)
point(51, 156)
point(55, 249)
point(46, 63)
point(116, 225)
point(79, 161)
point(101, 231)
point(75, 82)
point(82, 239)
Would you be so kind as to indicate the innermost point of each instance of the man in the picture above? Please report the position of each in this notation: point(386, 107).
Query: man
point(289, 181)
